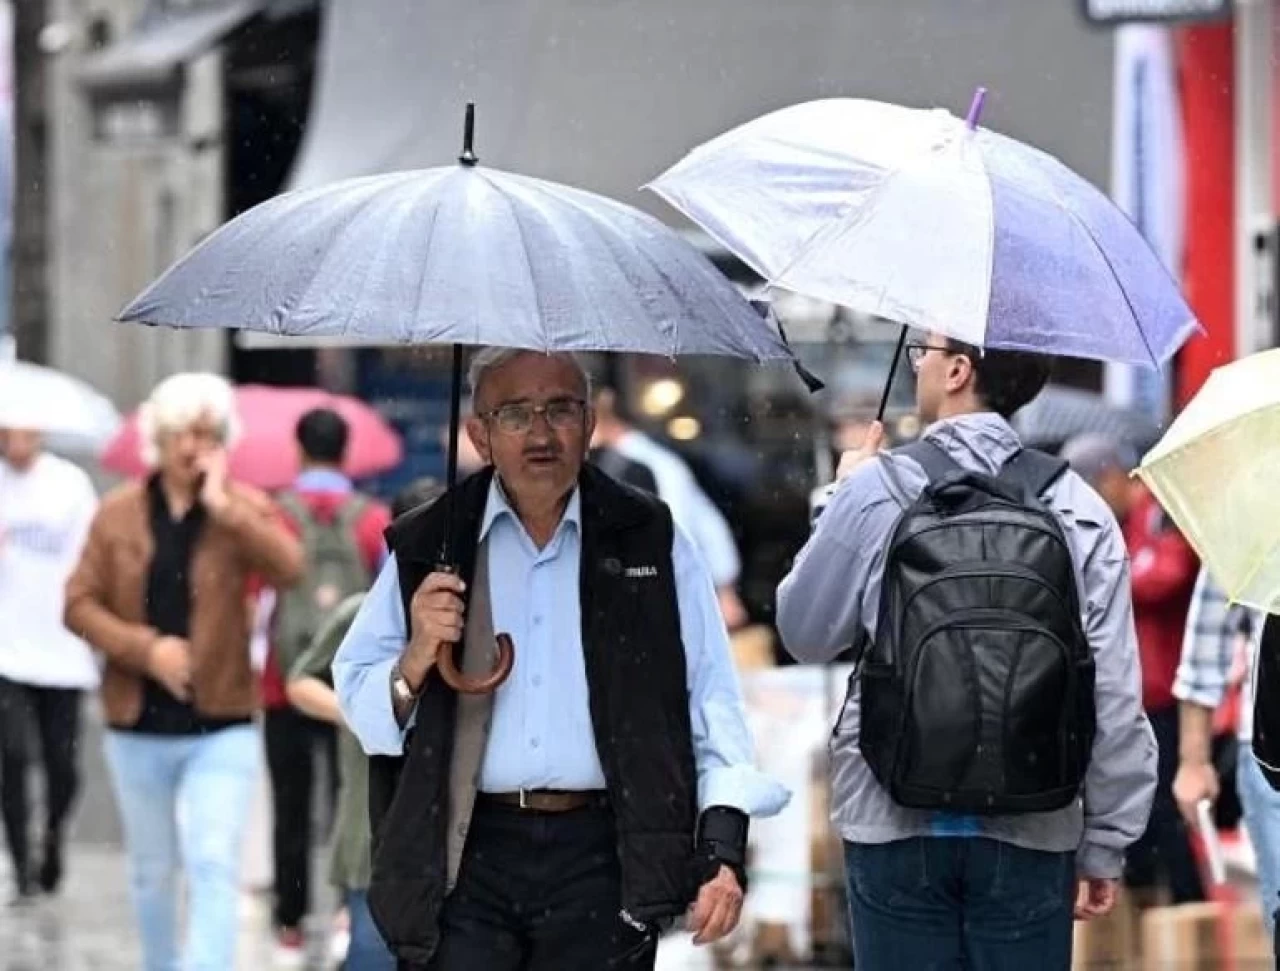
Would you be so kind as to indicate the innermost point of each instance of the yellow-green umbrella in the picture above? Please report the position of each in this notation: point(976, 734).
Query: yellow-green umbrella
point(1217, 473)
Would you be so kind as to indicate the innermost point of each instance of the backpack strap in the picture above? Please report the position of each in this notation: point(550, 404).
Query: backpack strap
point(1033, 471)
point(933, 458)
point(294, 507)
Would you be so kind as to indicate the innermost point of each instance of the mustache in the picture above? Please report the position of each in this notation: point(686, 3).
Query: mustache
point(542, 452)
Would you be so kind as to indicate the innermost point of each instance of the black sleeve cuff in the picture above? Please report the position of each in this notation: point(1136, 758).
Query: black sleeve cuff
point(721, 841)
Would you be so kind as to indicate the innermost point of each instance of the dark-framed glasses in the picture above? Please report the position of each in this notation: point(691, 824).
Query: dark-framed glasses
point(917, 350)
point(517, 417)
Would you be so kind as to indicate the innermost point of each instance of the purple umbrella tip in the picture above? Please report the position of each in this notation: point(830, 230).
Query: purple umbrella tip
point(975, 109)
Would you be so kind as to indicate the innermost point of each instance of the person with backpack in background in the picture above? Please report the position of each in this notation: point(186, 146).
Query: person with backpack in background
point(341, 534)
point(1163, 570)
point(310, 688)
point(992, 761)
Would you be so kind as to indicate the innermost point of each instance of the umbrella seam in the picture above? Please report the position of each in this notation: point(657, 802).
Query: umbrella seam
point(528, 259)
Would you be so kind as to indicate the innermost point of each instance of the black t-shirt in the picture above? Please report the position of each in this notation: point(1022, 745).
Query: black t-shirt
point(168, 608)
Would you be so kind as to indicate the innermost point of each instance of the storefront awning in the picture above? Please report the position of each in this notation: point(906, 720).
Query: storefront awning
point(162, 43)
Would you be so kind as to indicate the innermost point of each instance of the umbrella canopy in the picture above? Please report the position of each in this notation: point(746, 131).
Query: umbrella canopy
point(1215, 472)
point(460, 255)
point(267, 453)
point(73, 415)
point(1059, 414)
point(921, 218)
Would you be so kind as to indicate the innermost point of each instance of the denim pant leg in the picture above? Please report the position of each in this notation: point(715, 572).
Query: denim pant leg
point(1261, 805)
point(214, 796)
point(1019, 907)
point(144, 774)
point(367, 951)
point(905, 905)
point(947, 903)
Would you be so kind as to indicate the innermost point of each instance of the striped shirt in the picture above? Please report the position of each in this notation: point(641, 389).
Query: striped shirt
point(1221, 637)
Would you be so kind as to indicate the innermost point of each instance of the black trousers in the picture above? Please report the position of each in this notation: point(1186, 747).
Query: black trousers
point(540, 892)
point(47, 719)
point(1163, 853)
point(292, 740)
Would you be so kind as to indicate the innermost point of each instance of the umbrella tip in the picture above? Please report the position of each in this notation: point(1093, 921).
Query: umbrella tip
point(468, 156)
point(975, 109)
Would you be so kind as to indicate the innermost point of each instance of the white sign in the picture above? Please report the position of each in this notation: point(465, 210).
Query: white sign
point(1120, 11)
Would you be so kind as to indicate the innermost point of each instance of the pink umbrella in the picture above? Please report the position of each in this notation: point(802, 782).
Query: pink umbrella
point(267, 453)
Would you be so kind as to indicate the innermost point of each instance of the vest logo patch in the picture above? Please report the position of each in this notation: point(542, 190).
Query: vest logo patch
point(641, 572)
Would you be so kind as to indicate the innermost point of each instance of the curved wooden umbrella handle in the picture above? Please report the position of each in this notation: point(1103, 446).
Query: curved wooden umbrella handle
point(466, 685)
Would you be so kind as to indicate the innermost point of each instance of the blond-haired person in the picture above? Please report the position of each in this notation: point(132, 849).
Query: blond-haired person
point(160, 591)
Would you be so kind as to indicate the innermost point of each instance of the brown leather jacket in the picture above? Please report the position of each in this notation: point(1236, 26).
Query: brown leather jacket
point(106, 595)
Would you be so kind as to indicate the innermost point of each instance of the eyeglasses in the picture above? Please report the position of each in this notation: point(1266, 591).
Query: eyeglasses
point(916, 353)
point(517, 418)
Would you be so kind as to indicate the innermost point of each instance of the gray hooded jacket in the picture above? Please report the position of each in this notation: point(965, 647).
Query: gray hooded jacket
point(834, 586)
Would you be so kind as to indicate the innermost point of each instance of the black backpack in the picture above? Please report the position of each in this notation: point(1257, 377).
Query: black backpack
point(977, 691)
point(1266, 702)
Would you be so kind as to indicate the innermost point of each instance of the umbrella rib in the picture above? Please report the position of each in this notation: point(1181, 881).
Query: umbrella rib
point(1052, 190)
point(528, 258)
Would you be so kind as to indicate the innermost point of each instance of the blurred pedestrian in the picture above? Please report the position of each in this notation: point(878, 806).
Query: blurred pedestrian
point(46, 505)
point(1162, 567)
point(310, 688)
point(1218, 633)
point(160, 591)
point(605, 786)
point(692, 508)
point(931, 885)
point(341, 533)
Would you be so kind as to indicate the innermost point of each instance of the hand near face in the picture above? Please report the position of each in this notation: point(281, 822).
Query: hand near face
point(213, 487)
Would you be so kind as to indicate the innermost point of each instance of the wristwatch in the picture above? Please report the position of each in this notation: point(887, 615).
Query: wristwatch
point(402, 693)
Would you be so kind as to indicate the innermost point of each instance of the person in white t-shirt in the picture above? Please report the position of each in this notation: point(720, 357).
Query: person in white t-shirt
point(691, 508)
point(46, 505)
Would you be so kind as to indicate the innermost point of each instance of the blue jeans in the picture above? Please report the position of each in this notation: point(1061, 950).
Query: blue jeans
point(944, 903)
point(1261, 805)
point(184, 802)
point(367, 951)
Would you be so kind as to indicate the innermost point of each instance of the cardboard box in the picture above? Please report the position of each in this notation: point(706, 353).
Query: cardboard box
point(1252, 946)
point(1111, 943)
point(1183, 937)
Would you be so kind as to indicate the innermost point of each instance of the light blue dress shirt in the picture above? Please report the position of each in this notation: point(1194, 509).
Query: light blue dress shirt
point(541, 735)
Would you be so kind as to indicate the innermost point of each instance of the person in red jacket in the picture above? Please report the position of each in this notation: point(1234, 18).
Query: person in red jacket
point(321, 496)
point(1163, 569)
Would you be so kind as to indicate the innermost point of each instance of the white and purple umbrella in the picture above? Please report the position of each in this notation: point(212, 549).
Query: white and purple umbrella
point(926, 219)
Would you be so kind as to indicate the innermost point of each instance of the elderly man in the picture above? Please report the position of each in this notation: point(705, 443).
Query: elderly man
point(606, 785)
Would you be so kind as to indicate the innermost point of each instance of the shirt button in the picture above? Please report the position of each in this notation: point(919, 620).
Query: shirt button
point(537, 680)
point(533, 743)
point(537, 620)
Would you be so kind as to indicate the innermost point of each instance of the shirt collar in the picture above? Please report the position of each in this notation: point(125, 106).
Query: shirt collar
point(322, 480)
point(498, 506)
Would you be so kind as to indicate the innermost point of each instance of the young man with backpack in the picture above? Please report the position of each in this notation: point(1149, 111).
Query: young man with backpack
point(992, 760)
point(341, 533)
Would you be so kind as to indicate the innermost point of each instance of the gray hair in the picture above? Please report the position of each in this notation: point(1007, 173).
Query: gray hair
point(489, 359)
point(1093, 455)
point(179, 402)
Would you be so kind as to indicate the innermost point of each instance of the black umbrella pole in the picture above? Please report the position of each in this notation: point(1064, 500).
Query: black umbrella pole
point(893, 370)
point(451, 474)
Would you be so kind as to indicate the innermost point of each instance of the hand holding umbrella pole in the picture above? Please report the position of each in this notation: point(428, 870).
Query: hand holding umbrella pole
point(446, 661)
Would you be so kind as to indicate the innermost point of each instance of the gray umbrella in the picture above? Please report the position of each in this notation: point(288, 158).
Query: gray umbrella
point(461, 255)
point(1060, 413)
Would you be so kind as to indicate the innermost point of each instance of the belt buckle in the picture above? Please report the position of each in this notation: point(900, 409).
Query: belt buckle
point(524, 798)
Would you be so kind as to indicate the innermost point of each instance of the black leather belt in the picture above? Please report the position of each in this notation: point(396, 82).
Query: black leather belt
point(547, 800)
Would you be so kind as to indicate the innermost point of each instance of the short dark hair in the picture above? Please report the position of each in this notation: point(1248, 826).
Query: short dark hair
point(1005, 381)
point(322, 433)
point(417, 493)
